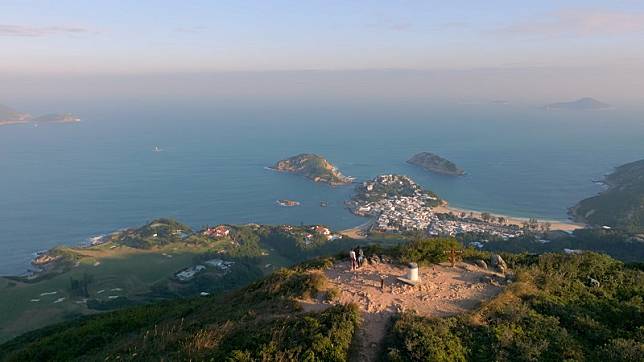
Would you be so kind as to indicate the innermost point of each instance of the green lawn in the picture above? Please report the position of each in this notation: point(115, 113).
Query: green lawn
point(132, 273)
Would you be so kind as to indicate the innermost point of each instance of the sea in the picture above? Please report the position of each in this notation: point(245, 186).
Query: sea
point(204, 163)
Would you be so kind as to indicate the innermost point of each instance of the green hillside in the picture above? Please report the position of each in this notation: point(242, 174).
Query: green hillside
point(574, 307)
point(621, 205)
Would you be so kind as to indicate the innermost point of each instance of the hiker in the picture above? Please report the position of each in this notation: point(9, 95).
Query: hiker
point(352, 256)
point(360, 256)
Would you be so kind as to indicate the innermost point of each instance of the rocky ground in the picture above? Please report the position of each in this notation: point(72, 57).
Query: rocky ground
point(442, 291)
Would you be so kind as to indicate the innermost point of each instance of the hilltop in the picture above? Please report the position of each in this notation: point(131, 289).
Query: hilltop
point(548, 307)
point(314, 167)
point(621, 205)
point(435, 163)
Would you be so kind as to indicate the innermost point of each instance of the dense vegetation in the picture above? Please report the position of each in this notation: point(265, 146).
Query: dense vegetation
point(314, 167)
point(259, 322)
point(555, 307)
point(619, 244)
point(157, 232)
point(622, 204)
point(561, 307)
point(435, 163)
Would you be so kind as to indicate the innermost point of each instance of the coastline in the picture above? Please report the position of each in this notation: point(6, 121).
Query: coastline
point(512, 220)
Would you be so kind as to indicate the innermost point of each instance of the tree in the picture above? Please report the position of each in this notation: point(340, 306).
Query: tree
point(501, 220)
point(533, 223)
point(545, 227)
point(486, 216)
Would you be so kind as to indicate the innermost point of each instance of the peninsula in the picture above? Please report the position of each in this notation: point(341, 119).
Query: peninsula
point(435, 163)
point(621, 205)
point(10, 116)
point(313, 167)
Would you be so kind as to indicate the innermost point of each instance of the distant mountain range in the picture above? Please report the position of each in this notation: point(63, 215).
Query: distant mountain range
point(11, 116)
point(582, 104)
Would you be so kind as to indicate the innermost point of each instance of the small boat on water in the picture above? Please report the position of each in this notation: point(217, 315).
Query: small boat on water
point(323, 204)
point(157, 149)
point(287, 203)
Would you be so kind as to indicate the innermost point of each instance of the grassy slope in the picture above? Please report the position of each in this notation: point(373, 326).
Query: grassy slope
point(145, 275)
point(258, 321)
point(131, 270)
point(551, 313)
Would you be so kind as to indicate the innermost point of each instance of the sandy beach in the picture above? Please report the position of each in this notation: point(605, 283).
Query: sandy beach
point(513, 220)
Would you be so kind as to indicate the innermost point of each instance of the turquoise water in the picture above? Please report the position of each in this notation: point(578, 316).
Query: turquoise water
point(66, 183)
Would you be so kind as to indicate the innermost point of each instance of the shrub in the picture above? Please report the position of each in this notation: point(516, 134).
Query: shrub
point(428, 251)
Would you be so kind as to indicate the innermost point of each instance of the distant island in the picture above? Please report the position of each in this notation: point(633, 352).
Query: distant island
point(314, 167)
point(621, 205)
point(10, 116)
point(582, 104)
point(435, 163)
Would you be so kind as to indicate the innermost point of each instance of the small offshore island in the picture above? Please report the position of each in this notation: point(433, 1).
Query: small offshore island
point(288, 203)
point(435, 163)
point(313, 167)
point(10, 116)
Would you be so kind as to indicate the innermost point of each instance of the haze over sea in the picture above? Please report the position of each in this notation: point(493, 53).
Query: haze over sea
point(62, 184)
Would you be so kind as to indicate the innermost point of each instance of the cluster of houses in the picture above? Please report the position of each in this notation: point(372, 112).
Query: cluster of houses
point(403, 213)
point(397, 202)
point(216, 232)
point(383, 199)
point(311, 233)
point(189, 273)
point(452, 227)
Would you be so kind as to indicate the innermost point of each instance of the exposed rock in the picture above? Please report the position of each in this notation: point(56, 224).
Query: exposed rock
point(481, 264)
point(497, 262)
point(594, 283)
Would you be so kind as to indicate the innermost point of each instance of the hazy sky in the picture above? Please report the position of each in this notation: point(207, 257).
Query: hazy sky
point(66, 36)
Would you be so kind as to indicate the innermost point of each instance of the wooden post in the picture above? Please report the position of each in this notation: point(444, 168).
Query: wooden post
point(453, 253)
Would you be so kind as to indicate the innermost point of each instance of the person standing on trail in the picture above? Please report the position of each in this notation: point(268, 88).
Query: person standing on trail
point(352, 256)
point(360, 256)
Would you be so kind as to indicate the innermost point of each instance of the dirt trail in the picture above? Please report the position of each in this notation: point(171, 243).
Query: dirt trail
point(442, 291)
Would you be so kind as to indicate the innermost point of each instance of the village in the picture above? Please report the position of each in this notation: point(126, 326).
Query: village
point(398, 204)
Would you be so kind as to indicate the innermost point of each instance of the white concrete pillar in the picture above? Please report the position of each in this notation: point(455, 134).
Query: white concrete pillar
point(412, 272)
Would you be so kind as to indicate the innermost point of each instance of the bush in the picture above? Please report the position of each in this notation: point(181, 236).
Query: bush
point(553, 312)
point(428, 251)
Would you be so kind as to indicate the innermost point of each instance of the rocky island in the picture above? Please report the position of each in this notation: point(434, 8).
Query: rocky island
point(621, 205)
point(435, 163)
point(10, 116)
point(314, 167)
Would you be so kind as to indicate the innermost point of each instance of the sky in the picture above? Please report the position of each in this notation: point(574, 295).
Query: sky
point(66, 36)
point(537, 51)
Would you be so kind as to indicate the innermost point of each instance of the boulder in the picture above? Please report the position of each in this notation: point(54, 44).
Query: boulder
point(374, 259)
point(497, 262)
point(485, 279)
point(594, 283)
point(481, 264)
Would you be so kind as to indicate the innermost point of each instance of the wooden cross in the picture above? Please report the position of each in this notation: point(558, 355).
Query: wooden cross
point(453, 253)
